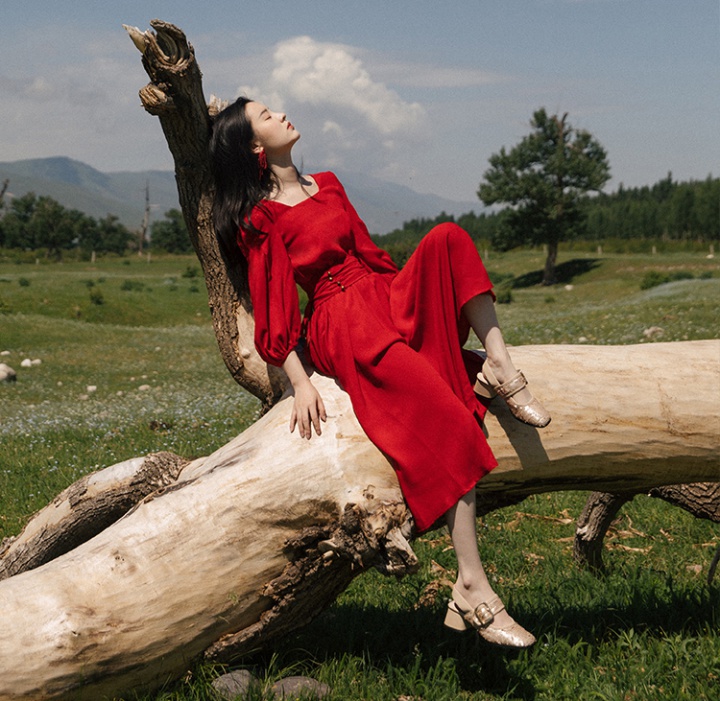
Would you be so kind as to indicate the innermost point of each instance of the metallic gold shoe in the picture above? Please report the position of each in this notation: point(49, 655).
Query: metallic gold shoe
point(461, 616)
point(533, 413)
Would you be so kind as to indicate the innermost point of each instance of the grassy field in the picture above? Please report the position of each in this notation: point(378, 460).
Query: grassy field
point(129, 366)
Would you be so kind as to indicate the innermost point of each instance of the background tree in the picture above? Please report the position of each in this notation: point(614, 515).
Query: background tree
point(53, 227)
point(15, 222)
point(171, 233)
point(543, 179)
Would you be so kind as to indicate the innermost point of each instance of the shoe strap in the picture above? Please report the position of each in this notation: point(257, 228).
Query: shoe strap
point(516, 383)
point(484, 614)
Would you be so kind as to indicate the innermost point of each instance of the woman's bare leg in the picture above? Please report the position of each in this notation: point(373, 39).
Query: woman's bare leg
point(480, 313)
point(472, 581)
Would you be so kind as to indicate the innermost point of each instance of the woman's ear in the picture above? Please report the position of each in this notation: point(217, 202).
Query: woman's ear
point(257, 148)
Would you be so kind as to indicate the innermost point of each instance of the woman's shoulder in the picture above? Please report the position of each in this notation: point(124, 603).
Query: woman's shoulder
point(327, 177)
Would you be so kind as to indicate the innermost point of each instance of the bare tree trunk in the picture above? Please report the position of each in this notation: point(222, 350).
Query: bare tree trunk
point(549, 277)
point(176, 97)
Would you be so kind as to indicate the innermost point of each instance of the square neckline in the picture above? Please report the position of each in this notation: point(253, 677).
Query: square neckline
point(309, 197)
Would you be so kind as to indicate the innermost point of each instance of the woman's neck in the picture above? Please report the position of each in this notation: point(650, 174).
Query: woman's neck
point(289, 186)
point(286, 175)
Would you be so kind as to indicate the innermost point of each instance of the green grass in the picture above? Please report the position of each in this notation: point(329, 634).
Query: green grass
point(646, 630)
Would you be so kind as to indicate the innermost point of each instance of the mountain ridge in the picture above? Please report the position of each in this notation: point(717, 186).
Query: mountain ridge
point(383, 205)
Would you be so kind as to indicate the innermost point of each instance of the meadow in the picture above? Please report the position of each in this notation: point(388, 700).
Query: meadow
point(128, 365)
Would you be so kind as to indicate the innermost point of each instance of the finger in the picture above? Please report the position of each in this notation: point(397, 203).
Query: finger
point(305, 425)
point(321, 406)
point(293, 420)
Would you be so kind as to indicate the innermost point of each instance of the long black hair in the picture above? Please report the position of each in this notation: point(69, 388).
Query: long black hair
point(239, 184)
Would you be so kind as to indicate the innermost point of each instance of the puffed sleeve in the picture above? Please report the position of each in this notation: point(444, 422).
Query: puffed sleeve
point(365, 248)
point(274, 295)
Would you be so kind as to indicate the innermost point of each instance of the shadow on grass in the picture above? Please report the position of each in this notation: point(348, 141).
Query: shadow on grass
point(564, 273)
point(388, 640)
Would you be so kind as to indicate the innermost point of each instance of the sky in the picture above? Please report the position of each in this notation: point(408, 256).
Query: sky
point(418, 92)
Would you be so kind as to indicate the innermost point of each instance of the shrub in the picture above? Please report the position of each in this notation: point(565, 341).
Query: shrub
point(503, 295)
point(24, 282)
point(130, 285)
point(96, 297)
point(191, 271)
point(653, 278)
point(682, 275)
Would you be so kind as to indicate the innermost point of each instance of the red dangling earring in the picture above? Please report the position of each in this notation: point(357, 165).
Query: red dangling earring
point(262, 163)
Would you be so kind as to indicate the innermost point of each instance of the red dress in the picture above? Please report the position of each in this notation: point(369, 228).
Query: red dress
point(393, 340)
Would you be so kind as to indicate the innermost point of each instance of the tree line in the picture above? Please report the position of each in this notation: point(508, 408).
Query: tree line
point(34, 223)
point(667, 210)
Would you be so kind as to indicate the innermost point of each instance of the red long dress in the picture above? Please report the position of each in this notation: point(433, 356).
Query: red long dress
point(392, 339)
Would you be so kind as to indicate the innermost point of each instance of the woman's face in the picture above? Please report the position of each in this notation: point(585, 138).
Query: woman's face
point(273, 132)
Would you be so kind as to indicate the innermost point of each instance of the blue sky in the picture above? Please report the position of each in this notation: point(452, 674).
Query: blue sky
point(420, 93)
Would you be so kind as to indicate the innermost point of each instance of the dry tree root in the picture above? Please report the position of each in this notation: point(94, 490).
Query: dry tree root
point(701, 499)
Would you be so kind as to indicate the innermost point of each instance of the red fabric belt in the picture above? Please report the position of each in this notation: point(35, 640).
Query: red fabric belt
point(338, 278)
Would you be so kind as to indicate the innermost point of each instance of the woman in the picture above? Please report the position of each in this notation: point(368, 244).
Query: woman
point(393, 340)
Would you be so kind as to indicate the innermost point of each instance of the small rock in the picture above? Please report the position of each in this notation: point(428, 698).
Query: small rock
point(26, 363)
point(4, 352)
point(91, 388)
point(7, 374)
point(293, 687)
point(36, 361)
point(582, 339)
point(569, 288)
point(653, 332)
point(144, 388)
point(234, 685)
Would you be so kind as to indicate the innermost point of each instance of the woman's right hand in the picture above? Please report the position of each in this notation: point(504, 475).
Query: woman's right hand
point(308, 410)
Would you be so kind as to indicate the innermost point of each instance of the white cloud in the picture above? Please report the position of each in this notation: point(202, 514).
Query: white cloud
point(324, 74)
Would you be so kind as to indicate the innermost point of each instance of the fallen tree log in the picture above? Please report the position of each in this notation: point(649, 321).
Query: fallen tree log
point(259, 537)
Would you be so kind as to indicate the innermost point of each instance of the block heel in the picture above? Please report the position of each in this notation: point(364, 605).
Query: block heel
point(454, 619)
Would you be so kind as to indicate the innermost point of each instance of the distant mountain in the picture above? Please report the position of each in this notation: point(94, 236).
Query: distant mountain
point(384, 206)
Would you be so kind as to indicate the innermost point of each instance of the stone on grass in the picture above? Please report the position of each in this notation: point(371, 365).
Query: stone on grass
point(299, 687)
point(7, 374)
point(234, 685)
point(653, 332)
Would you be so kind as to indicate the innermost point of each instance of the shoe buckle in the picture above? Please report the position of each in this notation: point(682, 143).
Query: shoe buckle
point(483, 615)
